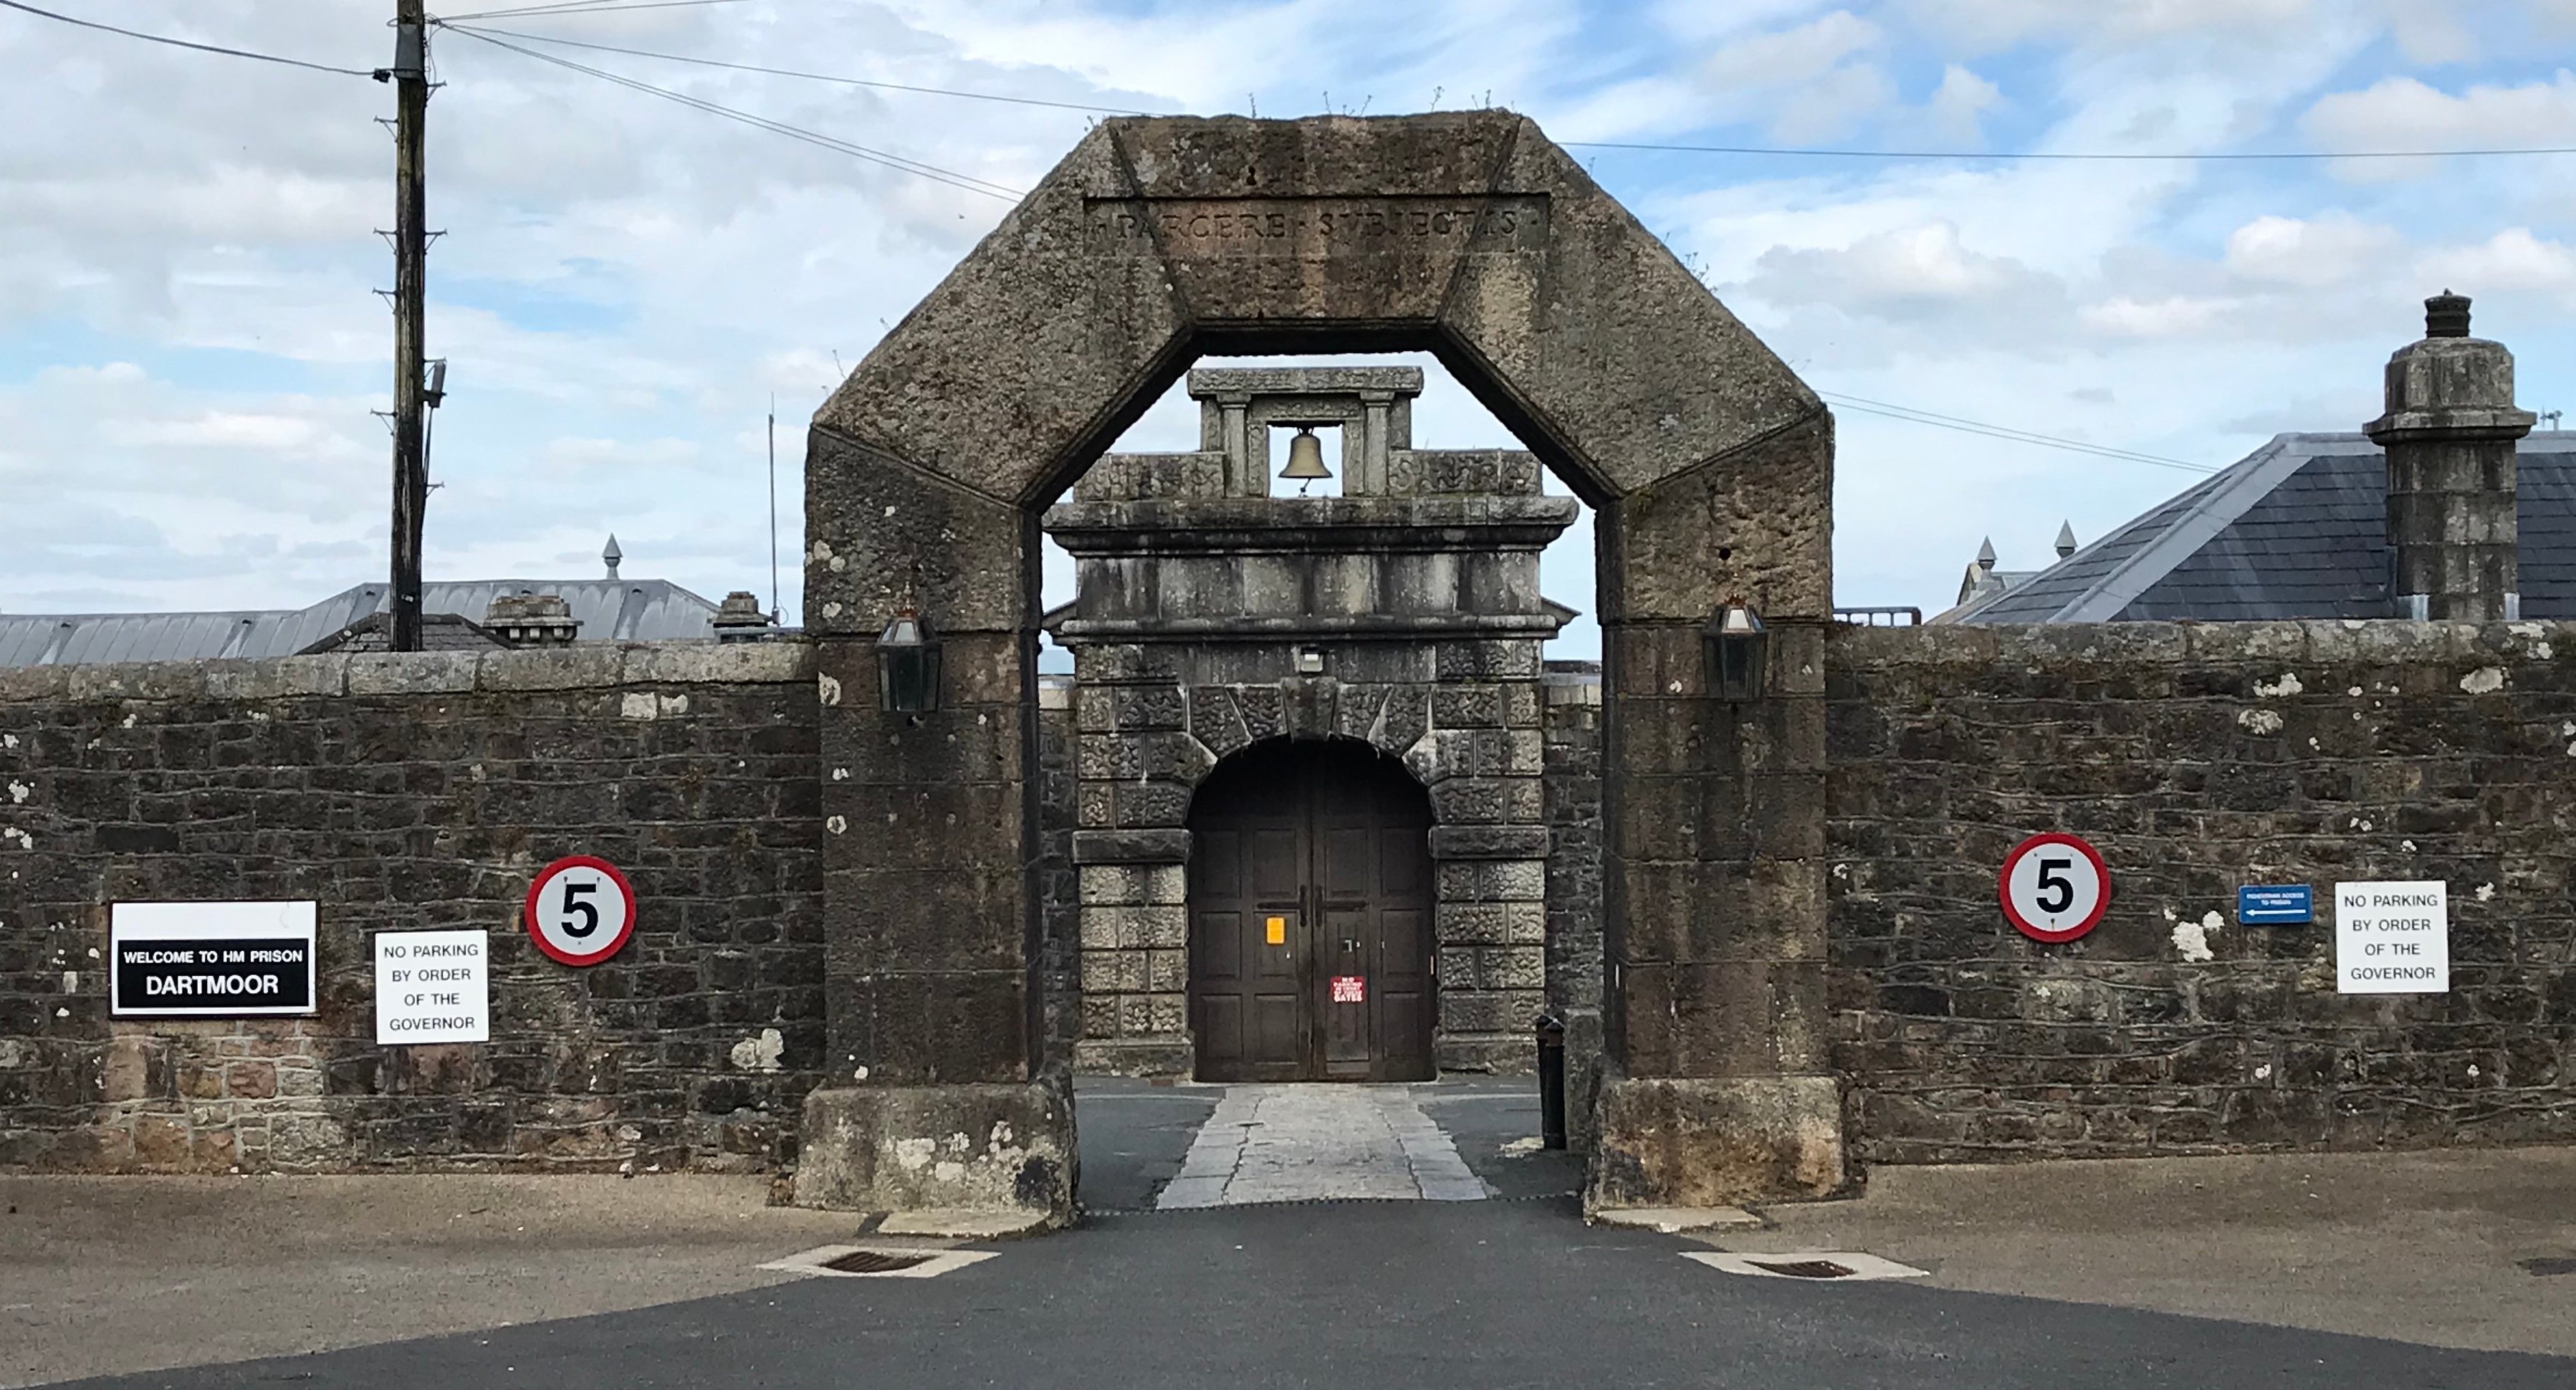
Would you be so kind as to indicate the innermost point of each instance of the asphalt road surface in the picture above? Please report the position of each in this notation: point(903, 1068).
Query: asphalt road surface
point(1506, 1289)
point(1395, 1294)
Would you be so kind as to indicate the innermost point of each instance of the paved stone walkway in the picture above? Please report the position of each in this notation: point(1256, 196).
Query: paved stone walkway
point(1296, 1143)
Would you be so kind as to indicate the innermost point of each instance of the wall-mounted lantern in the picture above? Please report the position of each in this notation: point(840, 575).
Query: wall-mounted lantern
point(907, 666)
point(1737, 650)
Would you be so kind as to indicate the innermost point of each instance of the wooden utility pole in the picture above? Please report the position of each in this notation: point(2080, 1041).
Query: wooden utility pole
point(411, 255)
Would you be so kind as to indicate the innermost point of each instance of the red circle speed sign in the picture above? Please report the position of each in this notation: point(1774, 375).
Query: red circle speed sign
point(580, 910)
point(2054, 887)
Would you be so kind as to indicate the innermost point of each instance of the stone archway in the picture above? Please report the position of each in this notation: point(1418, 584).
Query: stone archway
point(1471, 236)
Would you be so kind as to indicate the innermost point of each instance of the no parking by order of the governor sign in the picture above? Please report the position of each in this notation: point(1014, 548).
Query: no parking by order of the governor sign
point(581, 910)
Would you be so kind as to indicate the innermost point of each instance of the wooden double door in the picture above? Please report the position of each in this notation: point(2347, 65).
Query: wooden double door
point(1310, 917)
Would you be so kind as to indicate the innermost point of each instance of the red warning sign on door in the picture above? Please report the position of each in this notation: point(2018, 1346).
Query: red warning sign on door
point(1349, 989)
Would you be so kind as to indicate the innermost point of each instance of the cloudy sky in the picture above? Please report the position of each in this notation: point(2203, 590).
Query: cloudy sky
point(191, 346)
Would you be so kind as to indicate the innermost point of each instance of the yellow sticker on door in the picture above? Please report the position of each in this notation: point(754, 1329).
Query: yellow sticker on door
point(1277, 928)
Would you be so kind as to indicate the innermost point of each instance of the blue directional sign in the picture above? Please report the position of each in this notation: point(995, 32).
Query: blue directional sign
point(2275, 905)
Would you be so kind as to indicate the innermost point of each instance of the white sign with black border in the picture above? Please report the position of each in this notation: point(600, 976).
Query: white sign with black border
point(2393, 937)
point(433, 986)
point(210, 960)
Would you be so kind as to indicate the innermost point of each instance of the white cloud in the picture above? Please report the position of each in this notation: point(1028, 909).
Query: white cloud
point(225, 429)
point(1910, 273)
point(2512, 260)
point(1787, 57)
point(1810, 82)
point(2406, 113)
point(2173, 316)
point(2430, 31)
point(1956, 106)
point(2332, 249)
point(1980, 26)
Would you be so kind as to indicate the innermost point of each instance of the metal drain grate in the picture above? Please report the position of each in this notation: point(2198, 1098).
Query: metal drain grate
point(2556, 1265)
point(877, 1261)
point(1818, 1266)
point(1805, 1269)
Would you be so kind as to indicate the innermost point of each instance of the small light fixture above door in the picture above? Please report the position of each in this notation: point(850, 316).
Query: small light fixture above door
point(1738, 650)
point(907, 666)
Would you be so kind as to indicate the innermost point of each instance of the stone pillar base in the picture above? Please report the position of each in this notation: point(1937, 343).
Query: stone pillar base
point(1149, 1056)
point(1702, 1142)
point(1500, 1054)
point(1000, 1148)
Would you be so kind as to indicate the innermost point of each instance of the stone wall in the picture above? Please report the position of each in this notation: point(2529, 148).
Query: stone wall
point(406, 792)
point(1573, 802)
point(1059, 963)
point(2198, 759)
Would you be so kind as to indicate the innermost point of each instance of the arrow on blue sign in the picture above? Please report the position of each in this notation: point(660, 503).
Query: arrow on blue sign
point(2281, 903)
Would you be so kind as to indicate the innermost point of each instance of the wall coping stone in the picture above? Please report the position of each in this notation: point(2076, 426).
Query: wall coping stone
point(588, 666)
point(2376, 640)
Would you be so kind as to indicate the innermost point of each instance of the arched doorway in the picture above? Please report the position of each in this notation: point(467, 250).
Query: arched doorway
point(1310, 917)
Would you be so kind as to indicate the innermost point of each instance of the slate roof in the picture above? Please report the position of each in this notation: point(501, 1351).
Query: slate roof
point(610, 610)
point(2296, 529)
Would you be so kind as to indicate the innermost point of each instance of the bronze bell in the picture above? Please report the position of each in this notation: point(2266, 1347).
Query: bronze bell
point(1305, 458)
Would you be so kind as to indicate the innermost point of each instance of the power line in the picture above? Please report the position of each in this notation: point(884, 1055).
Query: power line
point(1932, 415)
point(2006, 432)
point(1773, 151)
point(183, 43)
point(822, 76)
point(583, 7)
point(2075, 156)
point(968, 182)
point(933, 172)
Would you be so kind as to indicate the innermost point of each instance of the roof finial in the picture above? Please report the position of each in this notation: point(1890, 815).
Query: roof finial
point(1986, 555)
point(611, 555)
point(2065, 539)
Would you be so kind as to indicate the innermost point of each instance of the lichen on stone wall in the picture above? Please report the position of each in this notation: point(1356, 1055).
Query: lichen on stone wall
point(2389, 750)
point(405, 792)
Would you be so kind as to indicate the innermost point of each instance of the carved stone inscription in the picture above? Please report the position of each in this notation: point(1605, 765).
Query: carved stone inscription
point(1315, 226)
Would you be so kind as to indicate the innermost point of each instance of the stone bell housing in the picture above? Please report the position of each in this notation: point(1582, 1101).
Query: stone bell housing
point(1213, 619)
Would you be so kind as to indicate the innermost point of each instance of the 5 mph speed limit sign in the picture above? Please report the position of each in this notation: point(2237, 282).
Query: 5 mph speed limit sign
point(2055, 887)
point(580, 910)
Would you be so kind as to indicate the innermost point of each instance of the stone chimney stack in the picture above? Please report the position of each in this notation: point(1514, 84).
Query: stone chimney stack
point(2449, 433)
point(532, 620)
point(739, 619)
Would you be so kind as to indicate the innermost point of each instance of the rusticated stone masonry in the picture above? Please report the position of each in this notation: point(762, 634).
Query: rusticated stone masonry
point(2198, 759)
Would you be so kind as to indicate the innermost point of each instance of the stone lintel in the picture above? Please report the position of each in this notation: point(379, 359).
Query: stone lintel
point(1215, 383)
point(1330, 525)
point(1540, 625)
